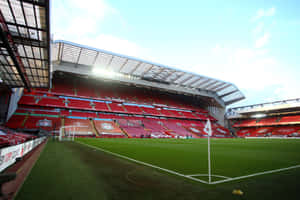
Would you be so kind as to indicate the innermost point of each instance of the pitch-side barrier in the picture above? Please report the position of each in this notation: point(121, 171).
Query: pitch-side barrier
point(272, 137)
point(9, 155)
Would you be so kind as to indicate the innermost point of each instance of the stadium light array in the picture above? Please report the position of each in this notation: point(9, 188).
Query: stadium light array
point(105, 73)
point(259, 115)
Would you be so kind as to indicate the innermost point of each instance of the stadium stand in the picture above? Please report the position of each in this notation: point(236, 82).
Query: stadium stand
point(51, 102)
point(174, 127)
point(78, 98)
point(116, 107)
point(45, 123)
point(76, 107)
point(100, 106)
point(10, 137)
point(78, 127)
point(151, 111)
point(133, 109)
point(108, 129)
point(83, 114)
point(246, 123)
point(16, 121)
point(155, 127)
point(72, 93)
point(266, 120)
point(61, 88)
point(79, 104)
point(290, 120)
point(286, 131)
point(133, 128)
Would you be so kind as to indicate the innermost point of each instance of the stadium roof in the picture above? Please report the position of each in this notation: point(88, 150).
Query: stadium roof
point(24, 43)
point(269, 107)
point(83, 57)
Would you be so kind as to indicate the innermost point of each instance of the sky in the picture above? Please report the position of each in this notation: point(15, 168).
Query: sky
point(253, 44)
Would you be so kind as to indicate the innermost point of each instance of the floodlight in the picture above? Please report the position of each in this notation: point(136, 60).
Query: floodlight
point(104, 73)
point(259, 115)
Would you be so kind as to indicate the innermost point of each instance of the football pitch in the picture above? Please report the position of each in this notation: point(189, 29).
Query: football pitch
point(230, 158)
point(166, 168)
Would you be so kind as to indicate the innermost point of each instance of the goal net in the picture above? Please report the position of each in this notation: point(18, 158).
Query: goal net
point(68, 133)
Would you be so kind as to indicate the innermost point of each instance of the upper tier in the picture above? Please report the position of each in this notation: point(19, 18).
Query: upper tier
point(270, 121)
point(119, 93)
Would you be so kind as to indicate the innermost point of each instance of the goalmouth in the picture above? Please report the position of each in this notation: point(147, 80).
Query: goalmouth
point(70, 134)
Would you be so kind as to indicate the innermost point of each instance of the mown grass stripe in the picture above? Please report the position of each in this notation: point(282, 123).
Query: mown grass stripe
point(146, 164)
point(256, 174)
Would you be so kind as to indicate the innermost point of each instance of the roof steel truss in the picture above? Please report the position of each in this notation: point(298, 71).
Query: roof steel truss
point(25, 41)
point(138, 68)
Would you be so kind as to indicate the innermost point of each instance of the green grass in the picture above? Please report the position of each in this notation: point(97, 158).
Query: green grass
point(230, 157)
point(71, 170)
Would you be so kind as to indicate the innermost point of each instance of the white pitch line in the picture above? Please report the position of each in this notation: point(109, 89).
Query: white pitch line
point(256, 174)
point(189, 176)
point(146, 164)
point(214, 175)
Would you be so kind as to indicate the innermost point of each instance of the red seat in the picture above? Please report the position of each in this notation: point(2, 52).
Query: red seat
point(290, 120)
point(101, 106)
point(165, 113)
point(62, 88)
point(201, 116)
point(106, 128)
point(15, 121)
point(245, 123)
point(86, 91)
point(52, 102)
point(79, 127)
point(27, 100)
point(46, 112)
point(83, 114)
point(176, 128)
point(45, 123)
point(176, 113)
point(136, 132)
point(151, 111)
point(188, 115)
point(116, 107)
point(133, 109)
point(287, 130)
point(267, 121)
point(79, 104)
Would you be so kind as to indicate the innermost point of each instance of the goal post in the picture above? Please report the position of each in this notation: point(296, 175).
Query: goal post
point(70, 134)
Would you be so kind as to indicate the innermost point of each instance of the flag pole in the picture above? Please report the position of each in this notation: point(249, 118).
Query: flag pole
point(209, 169)
point(208, 130)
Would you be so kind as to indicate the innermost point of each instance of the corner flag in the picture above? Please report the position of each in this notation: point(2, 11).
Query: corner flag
point(207, 128)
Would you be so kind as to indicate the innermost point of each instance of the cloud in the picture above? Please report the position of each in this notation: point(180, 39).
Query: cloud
point(258, 74)
point(76, 17)
point(112, 43)
point(262, 41)
point(83, 24)
point(249, 68)
point(217, 49)
point(264, 13)
point(287, 91)
point(259, 28)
